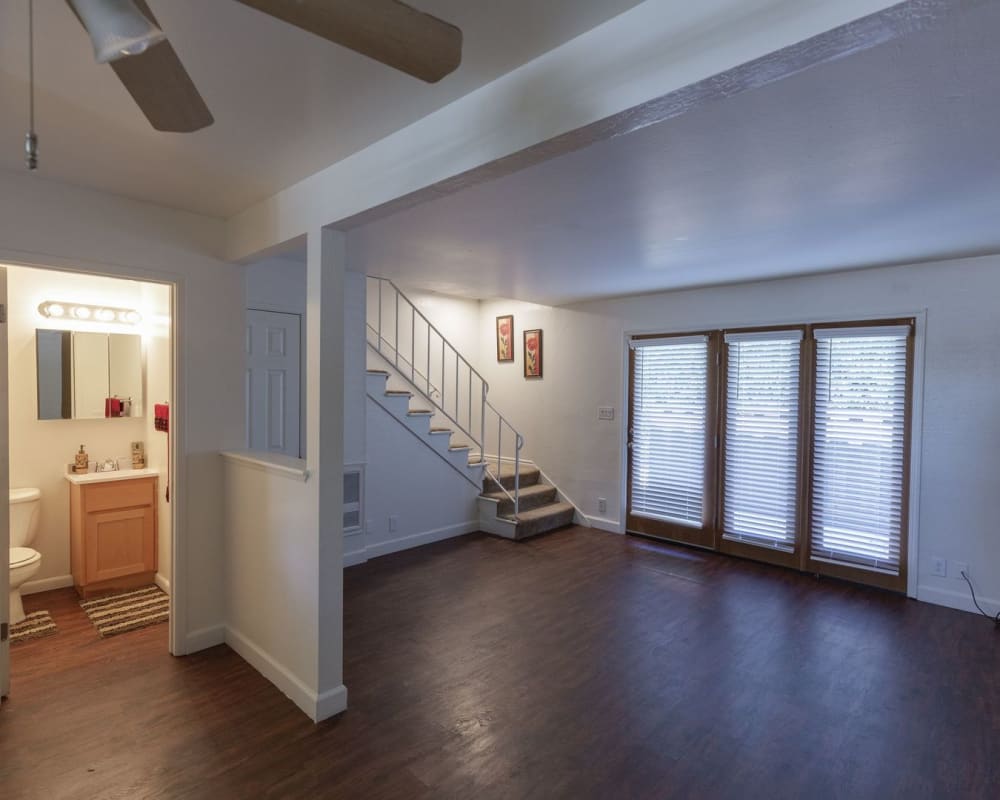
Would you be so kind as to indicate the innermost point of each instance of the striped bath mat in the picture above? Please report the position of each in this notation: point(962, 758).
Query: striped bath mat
point(128, 611)
point(33, 626)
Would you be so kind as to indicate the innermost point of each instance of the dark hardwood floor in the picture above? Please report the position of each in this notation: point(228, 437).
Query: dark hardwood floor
point(576, 665)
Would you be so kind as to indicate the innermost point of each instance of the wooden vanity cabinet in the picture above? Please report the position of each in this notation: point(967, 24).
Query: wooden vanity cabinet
point(113, 530)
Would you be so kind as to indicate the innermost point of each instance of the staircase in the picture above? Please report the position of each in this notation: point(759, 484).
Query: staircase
point(436, 394)
point(420, 422)
point(540, 507)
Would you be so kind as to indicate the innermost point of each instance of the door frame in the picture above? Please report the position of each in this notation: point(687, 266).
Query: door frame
point(177, 471)
point(4, 487)
point(919, 317)
point(703, 536)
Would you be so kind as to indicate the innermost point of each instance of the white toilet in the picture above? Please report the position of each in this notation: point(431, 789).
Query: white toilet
point(24, 562)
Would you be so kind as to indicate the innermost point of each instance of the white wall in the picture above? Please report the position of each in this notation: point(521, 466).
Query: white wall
point(80, 230)
point(276, 284)
point(406, 480)
point(456, 318)
point(584, 369)
point(271, 592)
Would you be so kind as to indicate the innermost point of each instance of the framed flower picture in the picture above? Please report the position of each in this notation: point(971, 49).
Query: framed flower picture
point(533, 353)
point(505, 338)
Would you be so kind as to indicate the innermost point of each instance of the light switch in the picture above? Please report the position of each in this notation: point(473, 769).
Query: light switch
point(606, 412)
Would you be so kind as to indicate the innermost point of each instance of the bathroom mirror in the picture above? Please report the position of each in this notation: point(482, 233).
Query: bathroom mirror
point(78, 372)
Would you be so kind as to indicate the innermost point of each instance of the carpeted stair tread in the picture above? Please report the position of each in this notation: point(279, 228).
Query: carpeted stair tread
point(398, 393)
point(530, 497)
point(543, 519)
point(419, 412)
point(529, 477)
point(377, 372)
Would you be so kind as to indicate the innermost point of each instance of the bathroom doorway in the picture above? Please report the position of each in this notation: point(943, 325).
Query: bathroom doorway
point(86, 466)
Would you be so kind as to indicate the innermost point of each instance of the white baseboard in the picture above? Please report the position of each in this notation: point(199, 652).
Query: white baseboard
point(355, 557)
point(316, 707)
point(162, 582)
point(47, 584)
point(603, 524)
point(959, 598)
point(331, 703)
point(418, 539)
point(203, 638)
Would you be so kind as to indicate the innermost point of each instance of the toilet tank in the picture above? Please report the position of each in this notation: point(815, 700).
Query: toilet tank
point(24, 507)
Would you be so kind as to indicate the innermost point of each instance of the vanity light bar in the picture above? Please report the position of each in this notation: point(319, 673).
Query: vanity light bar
point(81, 312)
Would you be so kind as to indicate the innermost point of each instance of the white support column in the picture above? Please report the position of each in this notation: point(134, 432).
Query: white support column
point(326, 259)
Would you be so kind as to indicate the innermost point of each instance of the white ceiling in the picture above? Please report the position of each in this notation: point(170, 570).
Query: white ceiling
point(887, 156)
point(286, 103)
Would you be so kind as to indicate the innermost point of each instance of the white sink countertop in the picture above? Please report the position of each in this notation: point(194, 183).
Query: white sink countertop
point(106, 477)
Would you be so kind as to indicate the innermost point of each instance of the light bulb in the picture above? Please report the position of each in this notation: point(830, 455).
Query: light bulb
point(55, 310)
point(133, 317)
point(81, 312)
point(104, 315)
point(117, 28)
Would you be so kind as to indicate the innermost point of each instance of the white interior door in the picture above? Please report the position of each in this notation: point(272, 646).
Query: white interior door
point(4, 497)
point(274, 380)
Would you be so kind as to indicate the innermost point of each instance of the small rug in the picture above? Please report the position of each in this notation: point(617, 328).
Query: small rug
point(33, 626)
point(127, 611)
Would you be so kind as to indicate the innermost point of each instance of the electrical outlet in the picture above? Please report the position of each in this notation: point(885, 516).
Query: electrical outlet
point(602, 504)
point(605, 412)
point(959, 568)
point(939, 567)
point(393, 523)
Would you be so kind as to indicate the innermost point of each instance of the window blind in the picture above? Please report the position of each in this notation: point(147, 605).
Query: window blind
point(859, 446)
point(669, 425)
point(760, 473)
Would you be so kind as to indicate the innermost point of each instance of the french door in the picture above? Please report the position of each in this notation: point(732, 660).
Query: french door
point(672, 388)
point(788, 445)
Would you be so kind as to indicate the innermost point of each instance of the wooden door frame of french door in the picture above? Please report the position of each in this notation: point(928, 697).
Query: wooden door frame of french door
point(698, 537)
point(769, 555)
point(895, 583)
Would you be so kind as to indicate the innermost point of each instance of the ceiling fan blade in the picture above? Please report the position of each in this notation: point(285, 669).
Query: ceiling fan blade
point(161, 87)
point(386, 30)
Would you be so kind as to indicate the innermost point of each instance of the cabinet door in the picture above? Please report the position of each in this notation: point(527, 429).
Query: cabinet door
point(120, 543)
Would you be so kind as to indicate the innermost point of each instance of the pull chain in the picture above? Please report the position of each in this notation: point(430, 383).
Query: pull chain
point(30, 138)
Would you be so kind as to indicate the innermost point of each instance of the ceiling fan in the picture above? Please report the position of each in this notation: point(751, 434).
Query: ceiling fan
point(126, 34)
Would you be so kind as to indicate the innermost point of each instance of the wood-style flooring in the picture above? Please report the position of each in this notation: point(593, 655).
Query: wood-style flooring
point(576, 665)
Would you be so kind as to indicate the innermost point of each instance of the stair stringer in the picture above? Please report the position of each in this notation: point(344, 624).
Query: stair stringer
point(419, 425)
point(382, 361)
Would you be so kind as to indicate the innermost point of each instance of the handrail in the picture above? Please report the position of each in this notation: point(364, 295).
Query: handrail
point(432, 389)
point(430, 324)
point(428, 391)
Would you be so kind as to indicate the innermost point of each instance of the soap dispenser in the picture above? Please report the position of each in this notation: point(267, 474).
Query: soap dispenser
point(81, 463)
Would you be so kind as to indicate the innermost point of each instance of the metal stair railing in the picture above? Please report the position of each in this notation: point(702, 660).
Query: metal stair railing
point(440, 375)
